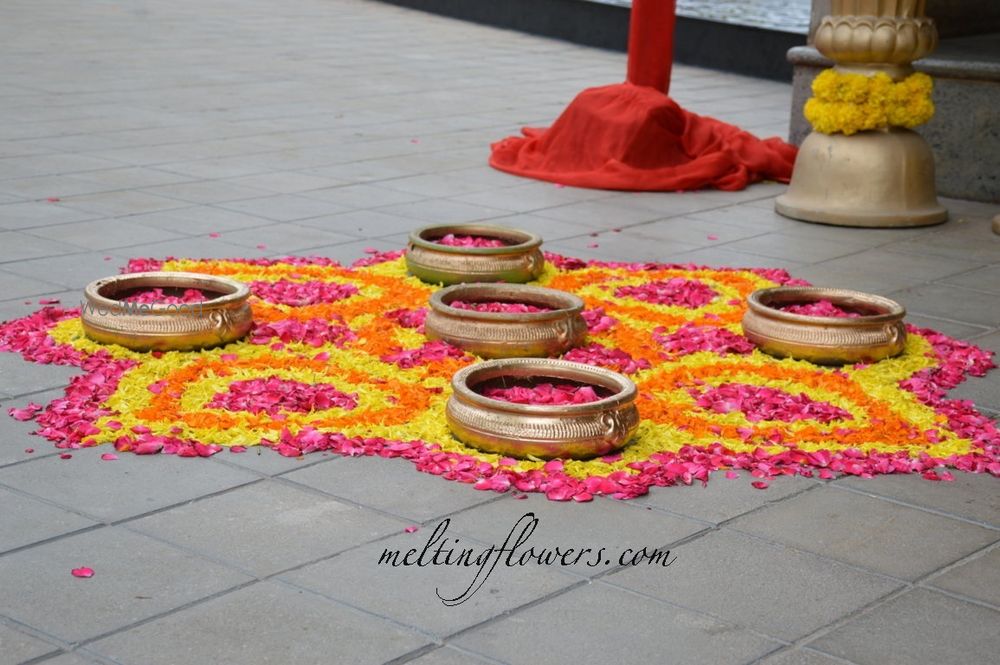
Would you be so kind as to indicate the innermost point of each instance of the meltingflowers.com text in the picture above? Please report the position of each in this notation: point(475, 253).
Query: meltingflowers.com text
point(440, 550)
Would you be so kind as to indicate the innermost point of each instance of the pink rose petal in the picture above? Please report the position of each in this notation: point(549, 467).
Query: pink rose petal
point(82, 572)
point(109, 457)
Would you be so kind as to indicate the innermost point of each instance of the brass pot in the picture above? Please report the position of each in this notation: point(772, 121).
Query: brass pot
point(503, 334)
point(878, 333)
point(543, 431)
point(166, 327)
point(518, 262)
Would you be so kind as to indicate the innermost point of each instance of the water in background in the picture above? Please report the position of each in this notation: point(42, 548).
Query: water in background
point(783, 15)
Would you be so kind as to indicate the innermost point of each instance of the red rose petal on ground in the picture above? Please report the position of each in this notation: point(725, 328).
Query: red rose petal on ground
point(83, 572)
point(66, 456)
point(109, 457)
point(761, 484)
point(53, 199)
point(27, 413)
point(48, 301)
point(411, 529)
point(29, 450)
point(712, 236)
point(732, 475)
point(213, 235)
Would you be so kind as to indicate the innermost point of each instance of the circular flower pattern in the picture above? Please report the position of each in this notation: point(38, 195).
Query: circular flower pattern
point(337, 361)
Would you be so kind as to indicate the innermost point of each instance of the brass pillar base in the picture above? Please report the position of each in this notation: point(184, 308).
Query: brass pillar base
point(873, 179)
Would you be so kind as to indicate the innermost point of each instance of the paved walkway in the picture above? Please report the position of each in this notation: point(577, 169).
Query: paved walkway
point(326, 126)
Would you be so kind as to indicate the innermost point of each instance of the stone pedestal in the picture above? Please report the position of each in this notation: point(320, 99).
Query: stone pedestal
point(875, 178)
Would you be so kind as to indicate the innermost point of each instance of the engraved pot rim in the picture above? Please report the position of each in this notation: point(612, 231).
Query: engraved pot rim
point(765, 302)
point(561, 303)
point(161, 326)
point(233, 292)
point(623, 390)
point(521, 240)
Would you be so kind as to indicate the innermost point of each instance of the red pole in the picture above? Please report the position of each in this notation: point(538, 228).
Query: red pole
point(651, 43)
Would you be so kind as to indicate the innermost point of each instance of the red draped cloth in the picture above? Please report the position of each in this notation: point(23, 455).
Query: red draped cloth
point(632, 136)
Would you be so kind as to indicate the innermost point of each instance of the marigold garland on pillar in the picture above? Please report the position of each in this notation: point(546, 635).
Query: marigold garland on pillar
point(848, 103)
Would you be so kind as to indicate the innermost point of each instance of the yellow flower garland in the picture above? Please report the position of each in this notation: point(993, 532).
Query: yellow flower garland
point(849, 103)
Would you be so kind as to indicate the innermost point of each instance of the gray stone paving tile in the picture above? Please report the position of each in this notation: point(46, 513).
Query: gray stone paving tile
point(722, 255)
point(203, 247)
point(802, 657)
point(604, 523)
point(601, 214)
point(348, 253)
point(285, 182)
point(121, 203)
point(24, 521)
point(692, 231)
point(57, 164)
point(984, 391)
point(867, 532)
point(916, 628)
point(410, 595)
point(20, 286)
point(225, 167)
point(577, 627)
point(131, 176)
point(955, 329)
point(241, 526)
point(990, 341)
point(972, 242)
point(72, 272)
point(364, 223)
point(200, 220)
point(972, 496)
point(128, 486)
point(285, 207)
point(211, 191)
point(757, 216)
point(268, 462)
point(368, 171)
point(50, 186)
point(621, 245)
point(978, 578)
point(263, 623)
point(733, 577)
point(18, 246)
point(952, 302)
point(914, 268)
point(286, 238)
point(722, 499)
point(103, 234)
point(15, 435)
point(530, 197)
point(450, 656)
point(19, 377)
point(782, 246)
point(135, 577)
point(861, 279)
point(363, 196)
point(16, 647)
point(419, 497)
point(442, 211)
point(80, 657)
